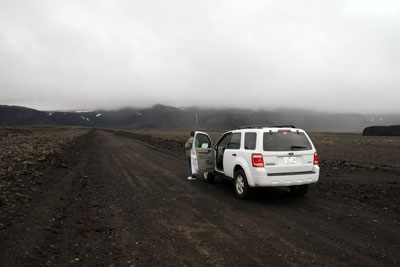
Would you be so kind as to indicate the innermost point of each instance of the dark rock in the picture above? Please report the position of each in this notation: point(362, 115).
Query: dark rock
point(393, 130)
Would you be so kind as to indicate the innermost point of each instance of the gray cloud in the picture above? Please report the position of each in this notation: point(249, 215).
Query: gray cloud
point(324, 55)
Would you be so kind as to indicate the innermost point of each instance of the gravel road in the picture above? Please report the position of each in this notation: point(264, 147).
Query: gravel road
point(119, 201)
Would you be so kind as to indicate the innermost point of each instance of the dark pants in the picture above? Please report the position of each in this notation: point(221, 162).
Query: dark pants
point(190, 167)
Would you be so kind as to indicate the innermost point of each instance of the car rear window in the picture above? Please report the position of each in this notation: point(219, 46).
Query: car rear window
point(250, 141)
point(286, 141)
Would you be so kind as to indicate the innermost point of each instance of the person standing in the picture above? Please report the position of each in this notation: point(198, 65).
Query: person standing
point(188, 148)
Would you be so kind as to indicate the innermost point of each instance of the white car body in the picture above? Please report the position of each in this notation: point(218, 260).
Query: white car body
point(293, 167)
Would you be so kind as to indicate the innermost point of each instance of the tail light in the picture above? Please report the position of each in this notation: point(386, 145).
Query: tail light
point(315, 158)
point(257, 160)
point(284, 131)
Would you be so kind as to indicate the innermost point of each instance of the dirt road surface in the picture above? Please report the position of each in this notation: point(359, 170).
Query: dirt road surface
point(122, 202)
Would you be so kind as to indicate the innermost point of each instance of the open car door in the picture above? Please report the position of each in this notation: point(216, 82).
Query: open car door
point(202, 154)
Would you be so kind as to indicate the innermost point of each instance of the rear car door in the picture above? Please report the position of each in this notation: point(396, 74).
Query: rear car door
point(220, 150)
point(202, 155)
point(231, 152)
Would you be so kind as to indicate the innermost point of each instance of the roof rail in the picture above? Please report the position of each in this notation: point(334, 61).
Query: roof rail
point(282, 126)
point(250, 127)
point(265, 126)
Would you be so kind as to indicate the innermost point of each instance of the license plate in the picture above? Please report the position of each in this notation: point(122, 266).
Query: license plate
point(289, 160)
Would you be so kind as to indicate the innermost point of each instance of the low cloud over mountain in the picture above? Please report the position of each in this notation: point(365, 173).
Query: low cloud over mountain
point(166, 117)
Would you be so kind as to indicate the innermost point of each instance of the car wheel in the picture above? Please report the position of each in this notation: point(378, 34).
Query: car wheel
point(299, 190)
point(208, 177)
point(241, 186)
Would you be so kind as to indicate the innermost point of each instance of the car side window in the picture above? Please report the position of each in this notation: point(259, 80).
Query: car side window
point(234, 143)
point(250, 141)
point(202, 141)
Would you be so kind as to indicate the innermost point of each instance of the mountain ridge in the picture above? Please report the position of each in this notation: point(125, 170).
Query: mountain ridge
point(168, 117)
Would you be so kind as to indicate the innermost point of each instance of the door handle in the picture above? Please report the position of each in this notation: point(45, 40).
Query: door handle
point(234, 155)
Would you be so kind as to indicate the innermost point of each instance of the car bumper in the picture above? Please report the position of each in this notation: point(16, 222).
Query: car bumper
point(261, 178)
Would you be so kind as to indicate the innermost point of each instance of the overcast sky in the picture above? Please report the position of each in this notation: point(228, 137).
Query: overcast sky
point(324, 55)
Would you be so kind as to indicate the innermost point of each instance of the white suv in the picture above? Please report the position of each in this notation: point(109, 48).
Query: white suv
point(257, 156)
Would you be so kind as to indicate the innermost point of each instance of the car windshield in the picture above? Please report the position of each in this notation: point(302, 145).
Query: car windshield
point(286, 141)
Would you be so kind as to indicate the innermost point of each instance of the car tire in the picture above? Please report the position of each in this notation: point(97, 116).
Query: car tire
point(208, 177)
point(241, 185)
point(299, 190)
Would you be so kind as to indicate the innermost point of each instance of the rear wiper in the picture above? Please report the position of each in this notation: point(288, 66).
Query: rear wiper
point(292, 147)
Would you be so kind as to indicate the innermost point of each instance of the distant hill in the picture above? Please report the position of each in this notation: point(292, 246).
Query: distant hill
point(14, 116)
point(166, 117)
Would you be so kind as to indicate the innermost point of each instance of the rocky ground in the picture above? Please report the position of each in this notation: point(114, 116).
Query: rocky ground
point(23, 153)
point(355, 151)
point(78, 197)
